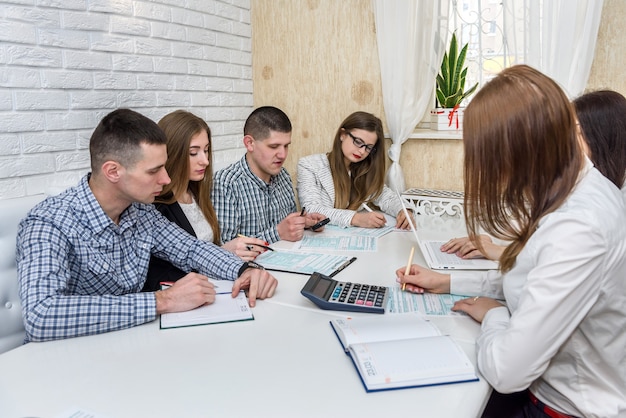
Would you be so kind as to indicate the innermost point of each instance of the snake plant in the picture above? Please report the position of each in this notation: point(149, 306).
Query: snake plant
point(451, 78)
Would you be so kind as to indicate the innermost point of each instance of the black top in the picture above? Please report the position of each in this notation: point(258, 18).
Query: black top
point(160, 270)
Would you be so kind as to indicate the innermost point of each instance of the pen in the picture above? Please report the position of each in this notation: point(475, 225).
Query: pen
point(249, 246)
point(367, 208)
point(302, 212)
point(408, 266)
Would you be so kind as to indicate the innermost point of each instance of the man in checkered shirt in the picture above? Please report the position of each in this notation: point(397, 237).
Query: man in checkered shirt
point(254, 196)
point(82, 256)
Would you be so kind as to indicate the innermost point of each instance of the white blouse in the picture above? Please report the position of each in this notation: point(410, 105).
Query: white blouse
point(562, 332)
point(197, 220)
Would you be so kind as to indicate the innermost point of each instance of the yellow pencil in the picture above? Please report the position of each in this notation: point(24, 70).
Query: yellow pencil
point(408, 266)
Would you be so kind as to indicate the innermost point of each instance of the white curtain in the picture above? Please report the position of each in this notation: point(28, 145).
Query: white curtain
point(560, 38)
point(410, 49)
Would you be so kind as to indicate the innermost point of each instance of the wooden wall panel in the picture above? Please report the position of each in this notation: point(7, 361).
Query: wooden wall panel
point(609, 65)
point(318, 61)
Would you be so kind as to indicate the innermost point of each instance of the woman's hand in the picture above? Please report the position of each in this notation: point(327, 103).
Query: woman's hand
point(402, 222)
point(421, 279)
point(476, 307)
point(465, 248)
point(368, 220)
point(246, 248)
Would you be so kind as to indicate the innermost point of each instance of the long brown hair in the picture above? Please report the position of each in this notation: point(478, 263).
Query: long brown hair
point(179, 127)
point(522, 156)
point(367, 177)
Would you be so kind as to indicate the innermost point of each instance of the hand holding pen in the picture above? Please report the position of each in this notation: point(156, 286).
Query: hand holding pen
point(247, 248)
point(292, 227)
point(368, 219)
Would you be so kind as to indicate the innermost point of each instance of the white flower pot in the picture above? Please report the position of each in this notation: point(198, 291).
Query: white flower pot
point(446, 119)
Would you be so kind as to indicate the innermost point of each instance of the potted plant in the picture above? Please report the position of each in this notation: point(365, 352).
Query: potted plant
point(448, 115)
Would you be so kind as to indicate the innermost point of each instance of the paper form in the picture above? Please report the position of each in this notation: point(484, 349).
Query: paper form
point(425, 303)
point(358, 231)
point(302, 262)
point(339, 243)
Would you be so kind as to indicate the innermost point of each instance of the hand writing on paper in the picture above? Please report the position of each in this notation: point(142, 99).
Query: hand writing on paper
point(420, 280)
point(368, 220)
point(188, 293)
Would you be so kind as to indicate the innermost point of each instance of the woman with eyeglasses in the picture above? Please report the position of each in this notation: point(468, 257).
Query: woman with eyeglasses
point(345, 182)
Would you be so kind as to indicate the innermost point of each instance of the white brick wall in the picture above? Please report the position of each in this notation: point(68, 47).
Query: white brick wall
point(64, 64)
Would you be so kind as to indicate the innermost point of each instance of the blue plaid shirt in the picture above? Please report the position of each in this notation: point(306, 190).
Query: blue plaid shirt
point(81, 274)
point(247, 205)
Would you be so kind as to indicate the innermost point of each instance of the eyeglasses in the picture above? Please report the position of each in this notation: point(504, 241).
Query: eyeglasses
point(359, 143)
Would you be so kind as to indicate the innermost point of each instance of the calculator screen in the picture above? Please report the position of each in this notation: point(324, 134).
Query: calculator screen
point(321, 287)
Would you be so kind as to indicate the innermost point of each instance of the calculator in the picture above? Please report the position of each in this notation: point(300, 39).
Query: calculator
point(331, 294)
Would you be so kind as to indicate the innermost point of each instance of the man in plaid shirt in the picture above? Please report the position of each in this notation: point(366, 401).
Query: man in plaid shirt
point(82, 256)
point(254, 196)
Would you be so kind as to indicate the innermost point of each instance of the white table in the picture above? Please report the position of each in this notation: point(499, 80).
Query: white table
point(285, 363)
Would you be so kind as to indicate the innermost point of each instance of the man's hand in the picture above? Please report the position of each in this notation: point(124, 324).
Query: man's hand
point(260, 284)
point(312, 219)
point(186, 294)
point(292, 227)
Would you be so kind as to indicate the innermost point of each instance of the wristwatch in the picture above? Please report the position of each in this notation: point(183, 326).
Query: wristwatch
point(249, 265)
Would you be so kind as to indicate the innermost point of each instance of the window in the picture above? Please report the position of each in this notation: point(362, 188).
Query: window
point(486, 27)
point(481, 25)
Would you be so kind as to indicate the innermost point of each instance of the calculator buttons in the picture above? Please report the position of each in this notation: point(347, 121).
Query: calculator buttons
point(347, 296)
point(359, 294)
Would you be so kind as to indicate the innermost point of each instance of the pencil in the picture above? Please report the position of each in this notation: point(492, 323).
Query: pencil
point(408, 266)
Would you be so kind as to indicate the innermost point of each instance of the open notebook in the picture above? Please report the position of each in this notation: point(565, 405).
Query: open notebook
point(438, 260)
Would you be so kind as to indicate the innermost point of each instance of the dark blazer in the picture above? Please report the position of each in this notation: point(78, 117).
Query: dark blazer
point(160, 270)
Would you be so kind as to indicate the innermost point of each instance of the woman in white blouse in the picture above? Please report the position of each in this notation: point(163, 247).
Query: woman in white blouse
point(186, 199)
point(345, 182)
point(559, 340)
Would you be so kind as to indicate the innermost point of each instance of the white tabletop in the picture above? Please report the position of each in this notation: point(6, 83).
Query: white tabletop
point(285, 363)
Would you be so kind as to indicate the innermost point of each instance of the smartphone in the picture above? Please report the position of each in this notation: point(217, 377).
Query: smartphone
point(320, 224)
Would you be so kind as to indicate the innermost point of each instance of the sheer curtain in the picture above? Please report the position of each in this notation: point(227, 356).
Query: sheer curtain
point(410, 47)
point(559, 38)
